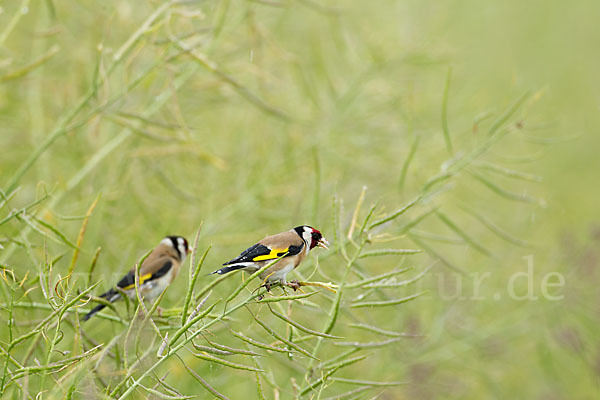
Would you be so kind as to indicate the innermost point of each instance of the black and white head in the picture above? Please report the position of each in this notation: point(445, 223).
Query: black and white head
point(179, 244)
point(311, 236)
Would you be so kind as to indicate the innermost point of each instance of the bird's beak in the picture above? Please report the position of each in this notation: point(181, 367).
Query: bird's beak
point(190, 250)
point(323, 243)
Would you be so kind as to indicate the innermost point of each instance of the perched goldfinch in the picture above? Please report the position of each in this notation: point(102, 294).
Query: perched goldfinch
point(156, 273)
point(296, 243)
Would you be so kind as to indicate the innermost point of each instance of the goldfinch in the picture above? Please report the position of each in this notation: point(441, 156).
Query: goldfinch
point(156, 273)
point(294, 244)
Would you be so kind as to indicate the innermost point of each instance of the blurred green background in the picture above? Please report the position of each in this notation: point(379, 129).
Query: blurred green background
point(279, 106)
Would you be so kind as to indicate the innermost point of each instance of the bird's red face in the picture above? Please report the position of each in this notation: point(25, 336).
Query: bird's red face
point(317, 240)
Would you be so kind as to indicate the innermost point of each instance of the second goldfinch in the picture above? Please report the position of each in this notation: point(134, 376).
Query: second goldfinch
point(156, 273)
point(294, 244)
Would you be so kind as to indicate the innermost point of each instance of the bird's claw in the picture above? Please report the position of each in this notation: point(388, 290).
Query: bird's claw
point(267, 286)
point(293, 284)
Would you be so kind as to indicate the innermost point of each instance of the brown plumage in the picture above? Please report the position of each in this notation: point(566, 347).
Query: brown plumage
point(156, 273)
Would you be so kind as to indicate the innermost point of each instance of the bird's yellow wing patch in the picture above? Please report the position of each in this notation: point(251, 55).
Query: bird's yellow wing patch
point(275, 253)
point(143, 279)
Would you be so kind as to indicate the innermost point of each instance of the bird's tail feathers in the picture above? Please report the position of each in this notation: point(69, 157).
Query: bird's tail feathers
point(230, 268)
point(112, 295)
point(94, 311)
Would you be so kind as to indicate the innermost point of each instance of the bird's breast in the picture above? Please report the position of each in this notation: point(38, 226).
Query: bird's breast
point(278, 271)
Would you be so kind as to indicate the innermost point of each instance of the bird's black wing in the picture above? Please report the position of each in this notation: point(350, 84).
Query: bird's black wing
point(260, 252)
point(250, 254)
point(128, 281)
